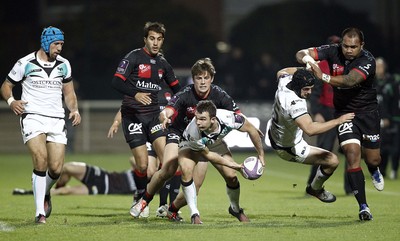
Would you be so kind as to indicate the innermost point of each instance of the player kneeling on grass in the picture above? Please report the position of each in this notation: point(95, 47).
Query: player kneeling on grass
point(203, 140)
point(290, 118)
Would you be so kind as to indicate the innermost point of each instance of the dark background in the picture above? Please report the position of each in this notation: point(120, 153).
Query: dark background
point(99, 33)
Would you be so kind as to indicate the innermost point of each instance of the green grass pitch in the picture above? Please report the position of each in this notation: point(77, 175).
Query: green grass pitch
point(276, 204)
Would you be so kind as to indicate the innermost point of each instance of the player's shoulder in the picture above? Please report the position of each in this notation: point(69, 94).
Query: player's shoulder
point(62, 59)
point(27, 58)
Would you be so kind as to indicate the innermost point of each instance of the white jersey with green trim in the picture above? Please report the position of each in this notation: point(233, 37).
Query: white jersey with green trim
point(286, 108)
point(42, 83)
point(198, 140)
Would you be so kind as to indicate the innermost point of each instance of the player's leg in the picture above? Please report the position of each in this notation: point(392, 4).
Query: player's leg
point(71, 169)
point(37, 148)
point(232, 189)
point(326, 163)
point(187, 165)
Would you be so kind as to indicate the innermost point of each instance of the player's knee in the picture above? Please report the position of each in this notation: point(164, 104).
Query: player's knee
point(333, 160)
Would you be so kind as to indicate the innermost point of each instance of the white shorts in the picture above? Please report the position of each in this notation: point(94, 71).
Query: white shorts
point(297, 153)
point(33, 125)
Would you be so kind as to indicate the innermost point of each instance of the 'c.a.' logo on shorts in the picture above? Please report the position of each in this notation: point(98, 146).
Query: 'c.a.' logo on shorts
point(135, 128)
point(345, 128)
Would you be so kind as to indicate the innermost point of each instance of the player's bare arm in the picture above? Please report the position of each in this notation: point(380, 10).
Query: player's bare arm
point(218, 159)
point(353, 78)
point(255, 138)
point(311, 127)
point(114, 126)
point(17, 106)
point(72, 103)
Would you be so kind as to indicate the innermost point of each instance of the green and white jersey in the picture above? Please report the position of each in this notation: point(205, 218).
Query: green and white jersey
point(42, 83)
point(198, 140)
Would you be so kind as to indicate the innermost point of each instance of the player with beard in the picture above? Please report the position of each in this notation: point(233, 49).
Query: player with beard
point(352, 76)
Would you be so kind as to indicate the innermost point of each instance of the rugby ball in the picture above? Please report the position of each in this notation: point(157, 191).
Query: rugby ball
point(252, 168)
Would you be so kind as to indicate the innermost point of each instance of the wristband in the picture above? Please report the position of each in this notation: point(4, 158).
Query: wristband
point(326, 78)
point(308, 59)
point(10, 100)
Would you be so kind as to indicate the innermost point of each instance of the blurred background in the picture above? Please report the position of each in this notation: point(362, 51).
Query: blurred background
point(247, 40)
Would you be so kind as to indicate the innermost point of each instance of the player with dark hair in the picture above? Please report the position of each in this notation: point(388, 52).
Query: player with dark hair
point(352, 76)
point(176, 116)
point(203, 140)
point(46, 79)
point(290, 119)
point(322, 109)
point(138, 77)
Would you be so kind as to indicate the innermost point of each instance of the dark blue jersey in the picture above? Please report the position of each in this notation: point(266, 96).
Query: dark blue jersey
point(137, 72)
point(184, 104)
point(359, 98)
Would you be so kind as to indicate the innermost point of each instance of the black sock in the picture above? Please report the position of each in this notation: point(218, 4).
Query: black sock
point(141, 183)
point(175, 185)
point(164, 193)
point(357, 183)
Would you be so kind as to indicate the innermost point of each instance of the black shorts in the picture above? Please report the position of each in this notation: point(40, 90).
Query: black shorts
point(95, 180)
point(173, 136)
point(99, 181)
point(139, 129)
point(365, 127)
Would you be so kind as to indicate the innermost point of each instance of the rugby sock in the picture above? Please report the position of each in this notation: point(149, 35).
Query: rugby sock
point(164, 193)
point(147, 197)
point(172, 208)
point(50, 181)
point(357, 183)
point(175, 185)
point(141, 183)
point(233, 195)
point(189, 190)
point(371, 168)
point(319, 179)
point(39, 190)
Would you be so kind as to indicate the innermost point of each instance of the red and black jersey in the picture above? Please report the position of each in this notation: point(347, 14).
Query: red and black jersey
point(359, 98)
point(137, 72)
point(184, 104)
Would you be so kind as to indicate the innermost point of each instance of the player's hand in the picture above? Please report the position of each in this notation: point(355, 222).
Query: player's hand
point(236, 166)
point(316, 70)
point(113, 129)
point(76, 118)
point(18, 106)
point(261, 158)
point(346, 118)
point(164, 120)
point(143, 98)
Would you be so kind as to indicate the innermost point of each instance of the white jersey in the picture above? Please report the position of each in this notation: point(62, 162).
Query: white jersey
point(287, 107)
point(198, 140)
point(42, 84)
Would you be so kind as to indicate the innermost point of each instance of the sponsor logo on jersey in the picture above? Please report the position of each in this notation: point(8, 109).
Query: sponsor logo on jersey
point(190, 113)
point(173, 136)
point(135, 128)
point(345, 128)
point(160, 73)
point(147, 86)
point(365, 68)
point(123, 65)
point(371, 138)
point(34, 71)
point(156, 128)
point(167, 96)
point(152, 61)
point(144, 71)
point(337, 70)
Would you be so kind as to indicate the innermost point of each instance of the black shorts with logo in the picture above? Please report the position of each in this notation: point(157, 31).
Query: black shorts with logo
point(365, 127)
point(139, 129)
point(173, 135)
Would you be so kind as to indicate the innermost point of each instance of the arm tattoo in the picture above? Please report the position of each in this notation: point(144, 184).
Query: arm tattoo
point(352, 79)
